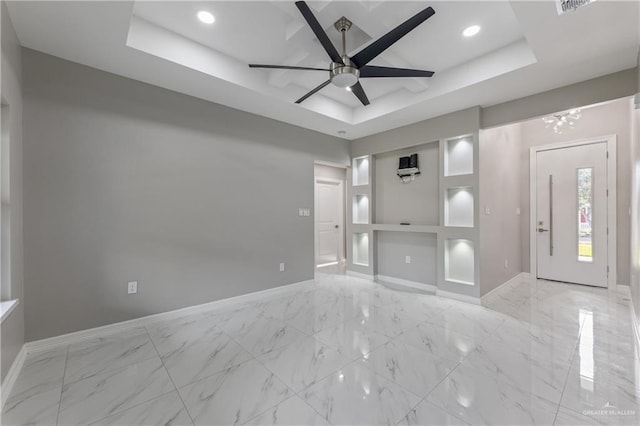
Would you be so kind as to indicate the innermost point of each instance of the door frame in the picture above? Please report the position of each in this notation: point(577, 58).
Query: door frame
point(610, 140)
point(341, 245)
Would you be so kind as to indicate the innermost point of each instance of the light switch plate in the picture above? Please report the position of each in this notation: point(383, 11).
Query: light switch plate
point(132, 287)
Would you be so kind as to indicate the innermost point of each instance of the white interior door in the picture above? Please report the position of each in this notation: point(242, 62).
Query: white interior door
point(329, 221)
point(571, 203)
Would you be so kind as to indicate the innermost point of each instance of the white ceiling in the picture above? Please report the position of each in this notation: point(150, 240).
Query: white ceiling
point(523, 48)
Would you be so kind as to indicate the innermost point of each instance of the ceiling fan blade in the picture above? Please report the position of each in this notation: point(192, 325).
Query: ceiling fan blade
point(359, 92)
point(363, 57)
point(369, 71)
point(317, 29)
point(317, 89)
point(286, 67)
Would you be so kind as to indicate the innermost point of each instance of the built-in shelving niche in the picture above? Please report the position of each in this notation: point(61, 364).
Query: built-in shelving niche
point(361, 171)
point(361, 249)
point(458, 207)
point(459, 261)
point(458, 156)
point(360, 209)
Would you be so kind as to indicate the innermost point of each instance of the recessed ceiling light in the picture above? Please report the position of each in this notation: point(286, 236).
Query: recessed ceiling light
point(206, 17)
point(471, 31)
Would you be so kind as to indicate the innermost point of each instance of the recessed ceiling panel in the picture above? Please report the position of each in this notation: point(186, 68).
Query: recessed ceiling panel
point(276, 33)
point(523, 47)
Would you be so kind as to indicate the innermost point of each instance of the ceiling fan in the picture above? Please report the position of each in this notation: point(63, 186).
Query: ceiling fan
point(345, 71)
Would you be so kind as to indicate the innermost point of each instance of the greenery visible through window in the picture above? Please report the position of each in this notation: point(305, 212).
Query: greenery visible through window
point(585, 214)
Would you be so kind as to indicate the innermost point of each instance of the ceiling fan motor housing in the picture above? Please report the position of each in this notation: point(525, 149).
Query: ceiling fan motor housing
point(344, 72)
point(344, 75)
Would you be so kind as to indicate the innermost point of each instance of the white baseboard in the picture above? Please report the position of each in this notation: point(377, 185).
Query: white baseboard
point(518, 277)
point(636, 326)
point(460, 297)
point(12, 375)
point(360, 275)
point(406, 283)
point(78, 336)
point(634, 319)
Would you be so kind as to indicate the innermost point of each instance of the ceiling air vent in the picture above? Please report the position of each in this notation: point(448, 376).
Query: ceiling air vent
point(565, 6)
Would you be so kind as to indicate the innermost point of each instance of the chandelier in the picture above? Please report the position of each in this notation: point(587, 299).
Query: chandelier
point(561, 121)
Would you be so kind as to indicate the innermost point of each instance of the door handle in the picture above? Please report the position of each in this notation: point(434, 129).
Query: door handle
point(542, 230)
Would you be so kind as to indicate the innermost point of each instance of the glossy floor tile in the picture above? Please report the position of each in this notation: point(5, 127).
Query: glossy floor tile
point(234, 396)
point(102, 395)
point(304, 362)
point(103, 354)
point(355, 395)
point(293, 411)
point(410, 367)
point(350, 351)
point(192, 350)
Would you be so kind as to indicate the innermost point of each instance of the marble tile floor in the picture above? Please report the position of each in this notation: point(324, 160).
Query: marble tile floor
point(346, 351)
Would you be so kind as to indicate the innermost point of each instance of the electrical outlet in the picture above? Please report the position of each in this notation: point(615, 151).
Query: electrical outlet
point(487, 210)
point(300, 211)
point(307, 212)
point(407, 259)
point(282, 267)
point(132, 287)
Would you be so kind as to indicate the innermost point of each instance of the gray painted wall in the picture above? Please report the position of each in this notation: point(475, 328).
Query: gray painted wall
point(12, 328)
point(125, 181)
point(414, 202)
point(500, 231)
point(589, 92)
point(393, 247)
point(601, 120)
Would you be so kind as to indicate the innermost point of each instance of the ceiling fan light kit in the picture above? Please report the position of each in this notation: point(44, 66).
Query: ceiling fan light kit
point(343, 75)
point(346, 72)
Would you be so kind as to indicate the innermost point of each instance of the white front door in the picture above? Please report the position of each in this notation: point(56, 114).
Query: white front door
point(571, 202)
point(328, 221)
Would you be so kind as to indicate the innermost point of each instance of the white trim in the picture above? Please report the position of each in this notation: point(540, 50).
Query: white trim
point(322, 265)
point(612, 220)
point(78, 336)
point(12, 374)
point(342, 213)
point(6, 307)
point(516, 278)
point(327, 180)
point(460, 297)
point(636, 326)
point(611, 141)
point(360, 275)
point(406, 283)
point(634, 320)
point(330, 164)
